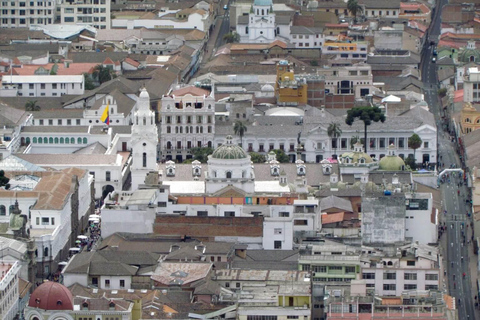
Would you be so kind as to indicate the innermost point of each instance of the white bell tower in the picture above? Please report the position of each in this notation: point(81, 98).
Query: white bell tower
point(144, 141)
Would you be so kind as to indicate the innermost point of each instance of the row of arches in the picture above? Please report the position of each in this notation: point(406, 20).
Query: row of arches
point(3, 210)
point(56, 140)
point(189, 129)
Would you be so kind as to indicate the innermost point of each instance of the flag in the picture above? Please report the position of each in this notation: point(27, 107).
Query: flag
point(106, 116)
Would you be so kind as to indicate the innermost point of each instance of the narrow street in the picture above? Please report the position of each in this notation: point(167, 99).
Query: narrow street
point(456, 244)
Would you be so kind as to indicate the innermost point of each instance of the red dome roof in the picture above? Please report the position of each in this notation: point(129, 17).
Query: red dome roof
point(51, 296)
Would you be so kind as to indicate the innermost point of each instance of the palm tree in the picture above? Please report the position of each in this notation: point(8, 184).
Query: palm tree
point(334, 132)
point(31, 105)
point(367, 115)
point(414, 142)
point(354, 8)
point(240, 128)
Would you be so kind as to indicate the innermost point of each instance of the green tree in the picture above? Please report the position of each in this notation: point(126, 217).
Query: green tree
point(88, 81)
point(354, 8)
point(240, 128)
point(31, 105)
point(281, 156)
point(103, 74)
point(367, 114)
point(201, 153)
point(442, 92)
point(4, 180)
point(257, 157)
point(231, 37)
point(410, 161)
point(414, 142)
point(334, 132)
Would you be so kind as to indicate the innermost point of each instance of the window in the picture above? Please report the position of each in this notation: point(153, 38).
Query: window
point(107, 283)
point(369, 275)
point(431, 277)
point(389, 276)
point(37, 221)
point(229, 213)
point(401, 142)
point(410, 276)
point(50, 122)
point(321, 269)
point(431, 287)
point(202, 213)
point(411, 263)
point(300, 222)
point(3, 210)
point(144, 160)
point(425, 144)
point(42, 86)
point(277, 244)
point(277, 231)
point(410, 286)
point(122, 283)
point(78, 122)
point(349, 269)
point(45, 221)
point(284, 214)
point(389, 287)
point(107, 176)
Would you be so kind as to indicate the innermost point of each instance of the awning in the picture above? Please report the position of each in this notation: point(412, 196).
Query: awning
point(82, 237)
point(74, 249)
point(62, 263)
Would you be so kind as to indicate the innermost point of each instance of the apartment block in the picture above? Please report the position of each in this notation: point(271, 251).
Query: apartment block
point(92, 12)
point(23, 14)
point(42, 86)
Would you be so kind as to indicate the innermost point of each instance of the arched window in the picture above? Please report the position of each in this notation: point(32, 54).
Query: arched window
point(229, 174)
point(390, 263)
point(45, 252)
point(3, 210)
point(34, 140)
point(209, 144)
point(79, 140)
point(50, 140)
point(62, 141)
point(84, 140)
point(198, 129)
point(56, 140)
point(10, 209)
point(67, 140)
point(169, 130)
point(72, 140)
point(45, 140)
point(27, 140)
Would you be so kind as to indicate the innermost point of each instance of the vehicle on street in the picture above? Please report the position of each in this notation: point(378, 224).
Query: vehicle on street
point(225, 7)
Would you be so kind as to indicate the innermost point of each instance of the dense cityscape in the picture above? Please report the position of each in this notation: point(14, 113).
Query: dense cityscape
point(239, 159)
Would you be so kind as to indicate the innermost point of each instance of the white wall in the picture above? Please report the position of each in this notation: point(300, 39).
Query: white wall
point(278, 229)
point(195, 21)
point(124, 220)
point(72, 278)
point(115, 282)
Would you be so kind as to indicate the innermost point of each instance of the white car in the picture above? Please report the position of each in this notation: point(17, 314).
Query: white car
point(434, 59)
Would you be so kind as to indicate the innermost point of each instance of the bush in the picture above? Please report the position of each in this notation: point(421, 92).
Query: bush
point(442, 92)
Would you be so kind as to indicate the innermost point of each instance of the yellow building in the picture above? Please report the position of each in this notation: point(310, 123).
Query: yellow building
point(288, 89)
point(470, 118)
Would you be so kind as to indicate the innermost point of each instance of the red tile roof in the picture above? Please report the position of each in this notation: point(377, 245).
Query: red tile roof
point(458, 96)
point(131, 62)
point(73, 69)
point(108, 61)
point(332, 217)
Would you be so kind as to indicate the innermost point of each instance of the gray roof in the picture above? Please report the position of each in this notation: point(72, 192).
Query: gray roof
point(58, 114)
point(267, 260)
point(69, 159)
point(124, 103)
point(335, 202)
point(305, 30)
point(446, 73)
point(110, 262)
point(242, 20)
point(96, 57)
point(380, 4)
point(283, 19)
point(94, 148)
point(399, 83)
point(393, 57)
point(13, 163)
point(11, 117)
point(45, 103)
point(56, 129)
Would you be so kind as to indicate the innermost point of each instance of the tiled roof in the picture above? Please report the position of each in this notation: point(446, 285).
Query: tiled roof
point(69, 159)
point(194, 91)
point(380, 4)
point(335, 202)
point(180, 272)
point(332, 217)
point(131, 62)
point(72, 69)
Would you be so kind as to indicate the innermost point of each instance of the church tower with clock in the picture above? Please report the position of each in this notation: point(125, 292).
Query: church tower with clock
point(144, 141)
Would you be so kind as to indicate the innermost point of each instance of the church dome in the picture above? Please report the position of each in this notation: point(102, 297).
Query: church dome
point(268, 88)
point(229, 150)
point(262, 3)
point(469, 54)
point(356, 156)
point(391, 162)
point(51, 296)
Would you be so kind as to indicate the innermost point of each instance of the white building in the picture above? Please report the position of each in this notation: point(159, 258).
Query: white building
point(306, 37)
point(188, 121)
point(42, 86)
point(189, 18)
point(421, 218)
point(92, 12)
point(471, 85)
point(144, 141)
point(9, 289)
point(261, 23)
point(414, 267)
point(23, 14)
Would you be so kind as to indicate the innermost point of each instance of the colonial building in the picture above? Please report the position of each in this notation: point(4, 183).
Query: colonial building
point(188, 121)
point(261, 26)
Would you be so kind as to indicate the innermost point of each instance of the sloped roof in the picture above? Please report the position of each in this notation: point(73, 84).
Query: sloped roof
point(13, 163)
point(181, 272)
point(93, 148)
point(194, 91)
point(332, 217)
point(335, 202)
point(11, 117)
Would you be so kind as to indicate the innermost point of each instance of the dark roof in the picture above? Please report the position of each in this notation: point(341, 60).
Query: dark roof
point(29, 49)
point(11, 117)
point(267, 260)
point(399, 83)
point(20, 34)
point(96, 57)
point(110, 262)
point(335, 202)
point(124, 103)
